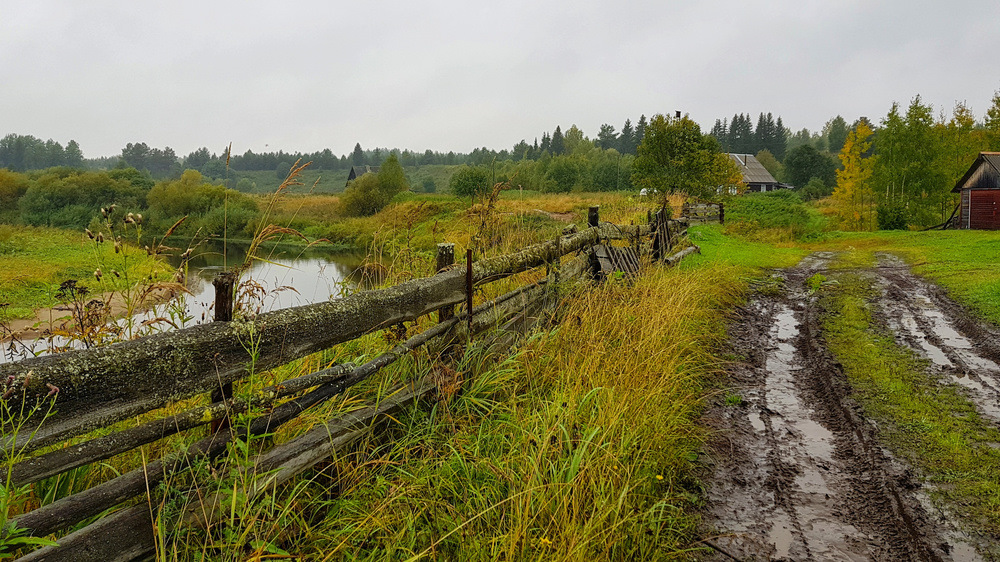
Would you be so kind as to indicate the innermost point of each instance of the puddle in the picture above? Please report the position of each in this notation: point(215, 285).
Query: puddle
point(781, 534)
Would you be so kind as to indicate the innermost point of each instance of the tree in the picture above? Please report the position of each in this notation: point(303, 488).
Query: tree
point(558, 143)
point(640, 129)
point(835, 132)
point(470, 181)
point(992, 123)
point(562, 174)
point(805, 162)
point(770, 163)
point(675, 157)
point(358, 156)
point(74, 156)
point(626, 140)
point(607, 137)
point(391, 178)
point(197, 159)
point(853, 194)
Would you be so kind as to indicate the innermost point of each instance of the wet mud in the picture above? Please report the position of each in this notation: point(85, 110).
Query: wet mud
point(796, 472)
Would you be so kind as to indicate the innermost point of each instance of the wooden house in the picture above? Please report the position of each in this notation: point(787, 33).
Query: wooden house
point(358, 171)
point(755, 175)
point(980, 190)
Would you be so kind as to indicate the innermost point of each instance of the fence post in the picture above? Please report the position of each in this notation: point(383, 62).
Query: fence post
point(445, 258)
point(468, 287)
point(594, 216)
point(225, 284)
point(722, 213)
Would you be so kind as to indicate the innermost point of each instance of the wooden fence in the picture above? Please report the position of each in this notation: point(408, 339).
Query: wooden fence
point(704, 212)
point(93, 390)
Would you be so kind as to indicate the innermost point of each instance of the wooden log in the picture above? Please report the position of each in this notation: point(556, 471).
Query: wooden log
point(676, 258)
point(122, 537)
point(73, 509)
point(102, 386)
point(225, 290)
point(58, 461)
point(445, 259)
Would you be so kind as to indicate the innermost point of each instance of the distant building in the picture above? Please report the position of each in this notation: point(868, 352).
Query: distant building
point(358, 171)
point(755, 175)
point(980, 190)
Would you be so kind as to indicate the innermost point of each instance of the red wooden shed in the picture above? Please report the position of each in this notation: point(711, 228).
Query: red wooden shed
point(980, 189)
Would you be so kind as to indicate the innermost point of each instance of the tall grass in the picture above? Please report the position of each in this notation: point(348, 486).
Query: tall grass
point(580, 447)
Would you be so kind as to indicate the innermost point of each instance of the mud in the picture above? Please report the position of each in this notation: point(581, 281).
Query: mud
point(796, 471)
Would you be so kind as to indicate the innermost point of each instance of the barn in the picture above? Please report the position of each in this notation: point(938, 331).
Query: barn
point(980, 189)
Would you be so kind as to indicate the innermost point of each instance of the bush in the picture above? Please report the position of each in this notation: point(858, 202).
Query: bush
point(891, 216)
point(468, 181)
point(363, 197)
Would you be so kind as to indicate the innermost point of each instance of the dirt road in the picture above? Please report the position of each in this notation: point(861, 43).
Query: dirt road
point(797, 472)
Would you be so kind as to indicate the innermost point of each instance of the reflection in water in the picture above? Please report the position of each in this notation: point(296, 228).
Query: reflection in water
point(277, 279)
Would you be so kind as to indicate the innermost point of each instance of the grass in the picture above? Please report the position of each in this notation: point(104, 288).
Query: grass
point(719, 245)
point(577, 448)
point(924, 420)
point(34, 261)
point(962, 261)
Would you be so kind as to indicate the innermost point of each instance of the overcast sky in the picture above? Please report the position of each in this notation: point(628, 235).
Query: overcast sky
point(454, 75)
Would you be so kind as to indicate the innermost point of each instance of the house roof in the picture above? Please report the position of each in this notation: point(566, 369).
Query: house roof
point(753, 171)
point(984, 173)
point(358, 171)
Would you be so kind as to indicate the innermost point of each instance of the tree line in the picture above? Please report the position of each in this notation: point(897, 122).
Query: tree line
point(900, 172)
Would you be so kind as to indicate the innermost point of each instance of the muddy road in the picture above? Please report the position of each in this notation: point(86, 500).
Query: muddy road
point(796, 471)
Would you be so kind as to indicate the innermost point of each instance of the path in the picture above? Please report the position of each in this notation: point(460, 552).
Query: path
point(798, 472)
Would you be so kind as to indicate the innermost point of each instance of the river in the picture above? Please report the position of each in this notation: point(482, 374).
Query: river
point(276, 279)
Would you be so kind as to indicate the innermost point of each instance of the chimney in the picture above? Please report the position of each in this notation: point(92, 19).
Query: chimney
point(677, 114)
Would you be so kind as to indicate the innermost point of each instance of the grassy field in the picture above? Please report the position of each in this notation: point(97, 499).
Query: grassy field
point(34, 261)
point(962, 261)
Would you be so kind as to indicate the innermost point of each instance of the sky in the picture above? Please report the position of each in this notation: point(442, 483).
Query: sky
point(456, 75)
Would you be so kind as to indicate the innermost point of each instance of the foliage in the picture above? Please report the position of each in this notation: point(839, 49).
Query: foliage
point(212, 209)
point(770, 163)
point(815, 189)
point(771, 216)
point(891, 216)
point(64, 197)
point(675, 157)
point(805, 162)
point(469, 181)
point(853, 194)
point(370, 193)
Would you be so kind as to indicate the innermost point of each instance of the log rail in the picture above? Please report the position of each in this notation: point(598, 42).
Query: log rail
point(101, 387)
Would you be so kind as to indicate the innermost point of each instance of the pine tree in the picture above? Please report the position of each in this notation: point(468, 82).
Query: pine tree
point(626, 139)
point(358, 156)
point(558, 144)
point(640, 130)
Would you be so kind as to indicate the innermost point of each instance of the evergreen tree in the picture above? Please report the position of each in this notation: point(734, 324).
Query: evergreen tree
point(607, 137)
point(626, 140)
point(558, 144)
point(640, 130)
point(780, 140)
point(358, 156)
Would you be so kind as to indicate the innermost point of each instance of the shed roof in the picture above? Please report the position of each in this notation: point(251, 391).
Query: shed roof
point(751, 168)
point(984, 173)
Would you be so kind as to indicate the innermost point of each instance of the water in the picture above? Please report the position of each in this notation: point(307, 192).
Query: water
point(282, 279)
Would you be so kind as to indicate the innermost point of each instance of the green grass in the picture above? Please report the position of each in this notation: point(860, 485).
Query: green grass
point(929, 423)
point(34, 261)
point(962, 261)
point(777, 216)
point(718, 246)
point(575, 448)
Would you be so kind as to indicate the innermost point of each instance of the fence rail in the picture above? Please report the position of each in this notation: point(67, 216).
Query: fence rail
point(101, 387)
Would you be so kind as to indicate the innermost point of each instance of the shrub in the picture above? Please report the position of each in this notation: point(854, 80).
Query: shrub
point(891, 216)
point(470, 180)
point(363, 197)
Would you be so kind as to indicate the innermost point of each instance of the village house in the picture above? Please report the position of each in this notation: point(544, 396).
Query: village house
point(755, 175)
point(980, 191)
point(358, 171)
